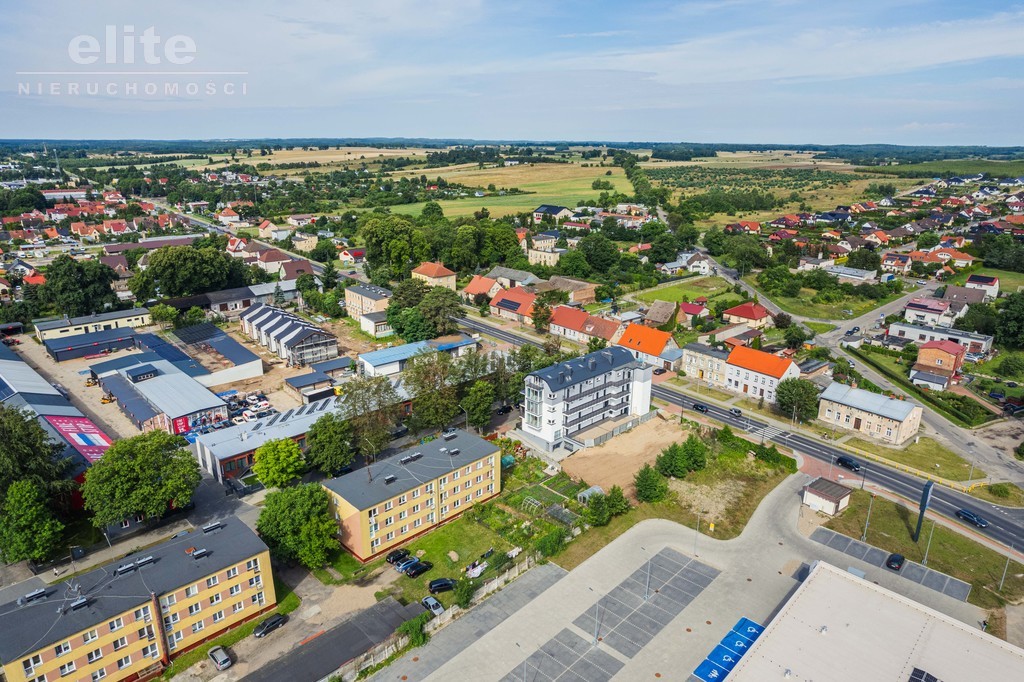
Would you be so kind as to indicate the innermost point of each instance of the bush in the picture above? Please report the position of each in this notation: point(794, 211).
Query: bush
point(651, 486)
point(414, 629)
point(1012, 366)
point(772, 457)
point(1001, 490)
point(1018, 451)
point(617, 502)
point(550, 544)
point(597, 513)
point(464, 589)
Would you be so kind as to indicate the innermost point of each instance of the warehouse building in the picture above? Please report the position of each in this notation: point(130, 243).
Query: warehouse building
point(391, 361)
point(290, 337)
point(88, 345)
point(60, 327)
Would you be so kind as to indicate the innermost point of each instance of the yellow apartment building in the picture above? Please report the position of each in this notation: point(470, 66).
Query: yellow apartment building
point(412, 492)
point(127, 620)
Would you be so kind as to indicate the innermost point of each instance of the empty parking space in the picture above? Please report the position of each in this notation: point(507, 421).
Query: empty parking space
point(922, 575)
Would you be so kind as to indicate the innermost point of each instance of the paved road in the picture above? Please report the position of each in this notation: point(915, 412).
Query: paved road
point(1006, 524)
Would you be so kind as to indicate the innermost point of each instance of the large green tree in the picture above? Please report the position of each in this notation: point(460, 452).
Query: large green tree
point(297, 525)
point(478, 402)
point(600, 252)
point(28, 454)
point(651, 486)
point(372, 406)
point(141, 475)
point(1010, 326)
point(78, 287)
point(800, 395)
point(440, 307)
point(278, 462)
point(430, 379)
point(28, 529)
point(329, 444)
point(185, 270)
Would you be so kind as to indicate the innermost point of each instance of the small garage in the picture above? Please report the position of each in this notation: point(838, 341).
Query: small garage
point(826, 496)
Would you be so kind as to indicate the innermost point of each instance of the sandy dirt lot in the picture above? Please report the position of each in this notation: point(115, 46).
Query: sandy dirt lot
point(1003, 435)
point(615, 462)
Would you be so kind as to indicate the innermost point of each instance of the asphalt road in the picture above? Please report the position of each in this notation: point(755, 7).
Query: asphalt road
point(1006, 525)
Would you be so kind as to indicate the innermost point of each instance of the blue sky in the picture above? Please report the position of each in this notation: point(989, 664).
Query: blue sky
point(768, 71)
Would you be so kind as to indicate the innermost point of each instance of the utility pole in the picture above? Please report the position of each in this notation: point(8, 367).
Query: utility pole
point(1005, 569)
point(924, 562)
point(864, 537)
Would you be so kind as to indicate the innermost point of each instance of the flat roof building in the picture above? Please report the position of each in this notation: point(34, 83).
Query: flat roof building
point(127, 620)
point(71, 326)
point(389, 361)
point(62, 348)
point(413, 491)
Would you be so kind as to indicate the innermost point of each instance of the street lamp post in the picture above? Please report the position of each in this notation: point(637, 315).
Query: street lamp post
point(924, 562)
point(864, 537)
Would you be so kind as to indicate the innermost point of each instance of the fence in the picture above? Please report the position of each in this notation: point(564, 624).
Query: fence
point(375, 656)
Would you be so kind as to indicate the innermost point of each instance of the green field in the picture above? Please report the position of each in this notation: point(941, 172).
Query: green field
point(925, 455)
point(715, 288)
point(949, 168)
point(819, 327)
point(951, 552)
point(1009, 282)
point(803, 306)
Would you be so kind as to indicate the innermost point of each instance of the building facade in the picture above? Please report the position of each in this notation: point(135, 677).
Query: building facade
point(365, 298)
point(876, 416)
point(705, 363)
point(756, 373)
point(413, 492)
point(435, 275)
point(566, 399)
point(64, 326)
point(290, 337)
point(920, 334)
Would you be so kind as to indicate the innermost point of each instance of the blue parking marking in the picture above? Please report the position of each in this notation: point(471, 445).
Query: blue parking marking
point(709, 672)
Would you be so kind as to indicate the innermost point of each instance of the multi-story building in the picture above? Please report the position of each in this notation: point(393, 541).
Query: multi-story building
point(876, 416)
point(757, 373)
point(126, 621)
point(435, 275)
point(987, 283)
point(549, 257)
point(933, 312)
point(292, 338)
point(413, 491)
point(365, 298)
point(565, 400)
point(652, 346)
point(705, 363)
point(919, 334)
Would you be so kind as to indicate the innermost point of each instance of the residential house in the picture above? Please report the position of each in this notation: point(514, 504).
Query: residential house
point(898, 263)
point(963, 295)
point(413, 492)
point(577, 325)
point(652, 346)
point(553, 213)
point(743, 227)
point(919, 334)
point(756, 373)
point(270, 260)
point(808, 263)
point(119, 264)
point(376, 325)
point(585, 401)
point(352, 256)
point(876, 416)
point(660, 314)
point(544, 241)
point(293, 269)
point(509, 277)
point(705, 363)
point(580, 292)
point(435, 275)
point(986, 283)
point(548, 257)
point(480, 286)
point(937, 364)
point(304, 242)
point(514, 304)
point(366, 298)
point(687, 262)
point(754, 315)
point(300, 220)
point(689, 311)
point(954, 257)
point(237, 247)
point(932, 312)
point(228, 216)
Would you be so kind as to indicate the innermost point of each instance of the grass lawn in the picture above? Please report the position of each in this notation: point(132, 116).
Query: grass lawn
point(819, 327)
point(923, 455)
point(991, 367)
point(712, 287)
point(1006, 494)
point(1009, 281)
point(802, 304)
point(951, 553)
point(287, 601)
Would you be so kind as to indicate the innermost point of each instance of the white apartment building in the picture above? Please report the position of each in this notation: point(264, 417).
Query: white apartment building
point(756, 373)
point(565, 401)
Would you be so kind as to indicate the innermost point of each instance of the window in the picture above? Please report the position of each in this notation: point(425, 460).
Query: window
point(441, 481)
point(89, 636)
point(401, 515)
point(126, 523)
point(167, 601)
point(388, 505)
point(375, 543)
point(95, 655)
point(415, 493)
point(235, 589)
point(847, 419)
point(62, 648)
point(120, 643)
point(415, 509)
point(417, 523)
point(99, 674)
point(390, 536)
point(194, 609)
point(468, 470)
point(828, 412)
point(456, 504)
point(218, 617)
point(215, 599)
point(124, 662)
point(455, 475)
point(404, 529)
point(170, 620)
point(116, 624)
point(257, 598)
point(938, 361)
point(429, 488)
point(149, 651)
point(142, 614)
point(198, 627)
point(388, 521)
point(237, 607)
point(402, 499)
point(255, 582)
point(67, 668)
point(490, 487)
point(191, 591)
point(480, 464)
point(444, 509)
point(211, 581)
point(139, 518)
point(252, 565)
point(479, 479)
point(29, 663)
point(888, 433)
point(232, 572)
point(172, 640)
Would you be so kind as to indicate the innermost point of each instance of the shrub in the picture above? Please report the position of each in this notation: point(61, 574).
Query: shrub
point(1001, 490)
point(597, 513)
point(464, 589)
point(1018, 451)
point(651, 486)
point(772, 457)
point(617, 502)
point(550, 544)
point(413, 628)
point(1012, 366)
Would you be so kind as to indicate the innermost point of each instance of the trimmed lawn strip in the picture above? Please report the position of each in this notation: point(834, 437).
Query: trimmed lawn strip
point(951, 553)
point(690, 288)
point(287, 601)
point(1013, 497)
point(804, 307)
point(819, 327)
point(923, 455)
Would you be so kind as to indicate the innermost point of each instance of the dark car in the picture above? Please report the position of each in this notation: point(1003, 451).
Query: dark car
point(504, 409)
point(269, 625)
point(397, 555)
point(700, 407)
point(849, 332)
point(895, 561)
point(442, 585)
point(659, 371)
point(848, 462)
point(855, 330)
point(418, 569)
point(970, 517)
point(1011, 384)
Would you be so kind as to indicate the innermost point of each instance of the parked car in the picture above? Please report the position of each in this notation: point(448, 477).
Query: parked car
point(701, 407)
point(735, 411)
point(248, 415)
point(921, 282)
point(849, 332)
point(855, 330)
point(439, 585)
point(269, 625)
point(1011, 384)
point(238, 420)
point(504, 409)
point(220, 658)
point(263, 413)
point(659, 371)
point(450, 431)
point(432, 605)
point(405, 563)
point(396, 555)
point(418, 569)
point(848, 462)
point(895, 561)
point(970, 517)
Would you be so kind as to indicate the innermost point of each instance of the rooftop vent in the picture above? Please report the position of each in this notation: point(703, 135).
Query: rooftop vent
point(200, 553)
point(78, 603)
point(33, 595)
point(592, 363)
point(212, 526)
point(389, 479)
point(125, 568)
point(145, 560)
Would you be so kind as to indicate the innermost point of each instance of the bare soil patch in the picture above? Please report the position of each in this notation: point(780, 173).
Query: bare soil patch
point(714, 499)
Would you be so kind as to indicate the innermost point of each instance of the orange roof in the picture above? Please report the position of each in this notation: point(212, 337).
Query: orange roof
point(516, 300)
point(759, 361)
point(479, 285)
point(956, 255)
point(1015, 219)
point(34, 278)
point(569, 317)
point(749, 310)
point(228, 212)
point(433, 270)
point(644, 339)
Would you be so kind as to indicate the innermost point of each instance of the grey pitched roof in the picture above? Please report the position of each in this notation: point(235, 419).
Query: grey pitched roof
point(707, 350)
point(572, 372)
point(869, 402)
point(371, 292)
point(514, 275)
point(829, 489)
point(433, 461)
point(50, 620)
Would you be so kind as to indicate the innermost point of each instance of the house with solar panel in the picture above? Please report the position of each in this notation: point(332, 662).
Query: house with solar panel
point(292, 338)
point(392, 361)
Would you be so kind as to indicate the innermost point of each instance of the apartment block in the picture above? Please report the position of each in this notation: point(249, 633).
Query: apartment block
point(413, 492)
point(583, 401)
point(128, 620)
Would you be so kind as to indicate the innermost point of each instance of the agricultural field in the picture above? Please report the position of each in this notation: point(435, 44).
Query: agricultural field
point(953, 167)
point(563, 184)
point(714, 288)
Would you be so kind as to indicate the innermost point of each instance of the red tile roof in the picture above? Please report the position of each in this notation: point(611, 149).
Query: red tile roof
point(691, 308)
point(644, 339)
point(569, 317)
point(433, 270)
point(479, 285)
point(516, 300)
point(759, 361)
point(947, 346)
point(749, 310)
